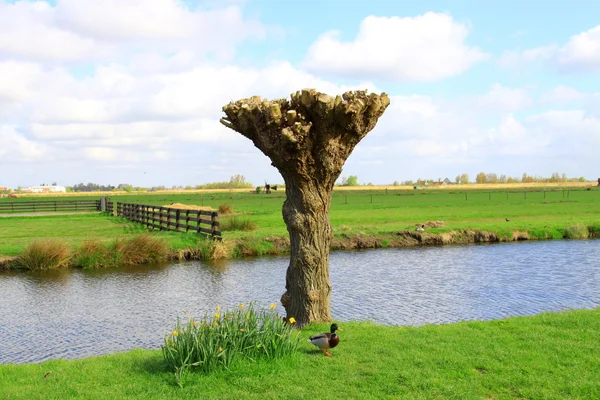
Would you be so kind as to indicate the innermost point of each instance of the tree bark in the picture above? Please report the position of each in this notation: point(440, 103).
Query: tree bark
point(308, 139)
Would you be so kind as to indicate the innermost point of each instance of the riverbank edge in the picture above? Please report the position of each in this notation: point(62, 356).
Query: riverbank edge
point(277, 245)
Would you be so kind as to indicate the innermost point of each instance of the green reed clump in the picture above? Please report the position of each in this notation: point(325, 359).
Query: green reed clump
point(218, 341)
point(579, 231)
point(44, 254)
point(594, 230)
point(252, 247)
point(141, 249)
point(93, 254)
point(238, 224)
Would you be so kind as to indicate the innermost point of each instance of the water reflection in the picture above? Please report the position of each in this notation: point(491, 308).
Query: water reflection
point(77, 313)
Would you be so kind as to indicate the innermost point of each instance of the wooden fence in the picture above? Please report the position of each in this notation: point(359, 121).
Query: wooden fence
point(49, 206)
point(174, 219)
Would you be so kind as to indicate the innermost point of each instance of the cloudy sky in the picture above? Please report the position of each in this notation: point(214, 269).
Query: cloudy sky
point(130, 91)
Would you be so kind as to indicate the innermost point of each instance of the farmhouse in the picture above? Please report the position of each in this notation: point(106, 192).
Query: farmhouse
point(45, 189)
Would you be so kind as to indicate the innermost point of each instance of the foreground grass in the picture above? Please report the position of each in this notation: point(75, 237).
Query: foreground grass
point(548, 356)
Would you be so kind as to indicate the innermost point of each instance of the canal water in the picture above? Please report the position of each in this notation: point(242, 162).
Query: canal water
point(80, 313)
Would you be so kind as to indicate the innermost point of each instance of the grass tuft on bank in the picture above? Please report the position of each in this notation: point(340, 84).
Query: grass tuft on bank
point(547, 356)
point(44, 254)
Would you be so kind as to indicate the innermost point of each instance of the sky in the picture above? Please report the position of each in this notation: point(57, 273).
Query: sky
point(131, 91)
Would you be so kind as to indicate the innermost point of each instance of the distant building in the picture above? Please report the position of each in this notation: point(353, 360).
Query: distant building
point(45, 189)
point(443, 183)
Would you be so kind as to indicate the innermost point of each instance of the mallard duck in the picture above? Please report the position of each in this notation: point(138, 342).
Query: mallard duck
point(327, 340)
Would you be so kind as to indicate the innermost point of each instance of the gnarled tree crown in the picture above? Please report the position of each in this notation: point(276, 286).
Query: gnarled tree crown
point(310, 136)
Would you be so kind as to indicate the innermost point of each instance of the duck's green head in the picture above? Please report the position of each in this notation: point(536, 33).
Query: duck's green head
point(335, 327)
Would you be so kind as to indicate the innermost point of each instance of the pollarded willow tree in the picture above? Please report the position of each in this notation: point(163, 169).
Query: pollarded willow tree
point(308, 139)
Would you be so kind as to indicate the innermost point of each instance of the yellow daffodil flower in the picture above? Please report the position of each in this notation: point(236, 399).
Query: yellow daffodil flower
point(242, 306)
point(175, 333)
point(217, 315)
point(272, 306)
point(292, 320)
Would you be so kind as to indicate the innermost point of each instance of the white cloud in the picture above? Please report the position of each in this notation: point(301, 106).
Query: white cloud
point(78, 32)
point(561, 95)
point(28, 30)
point(511, 138)
point(425, 48)
point(15, 146)
point(517, 58)
point(580, 53)
point(504, 99)
point(17, 80)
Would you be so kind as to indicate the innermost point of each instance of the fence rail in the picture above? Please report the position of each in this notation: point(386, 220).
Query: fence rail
point(173, 219)
point(46, 206)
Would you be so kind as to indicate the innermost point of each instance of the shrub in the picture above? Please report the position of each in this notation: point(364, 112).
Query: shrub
point(225, 208)
point(238, 224)
point(44, 254)
point(142, 249)
point(92, 254)
point(220, 340)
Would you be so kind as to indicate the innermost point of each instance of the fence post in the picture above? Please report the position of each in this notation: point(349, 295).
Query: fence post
point(489, 195)
point(177, 215)
point(214, 222)
point(466, 197)
point(187, 220)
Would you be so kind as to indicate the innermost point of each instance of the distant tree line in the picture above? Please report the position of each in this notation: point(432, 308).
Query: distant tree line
point(235, 182)
point(483, 177)
point(90, 187)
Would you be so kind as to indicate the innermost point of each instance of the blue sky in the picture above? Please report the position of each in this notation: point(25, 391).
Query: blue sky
point(130, 91)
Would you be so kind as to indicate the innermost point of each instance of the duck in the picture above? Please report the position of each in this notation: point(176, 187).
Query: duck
point(326, 340)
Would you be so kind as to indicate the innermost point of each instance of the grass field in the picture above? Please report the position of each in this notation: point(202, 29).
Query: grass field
point(539, 212)
point(548, 356)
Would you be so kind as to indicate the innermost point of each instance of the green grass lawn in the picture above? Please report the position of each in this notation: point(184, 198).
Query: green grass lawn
point(548, 356)
point(17, 232)
point(544, 214)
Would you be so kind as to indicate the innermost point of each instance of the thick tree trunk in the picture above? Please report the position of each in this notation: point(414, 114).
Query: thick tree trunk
point(308, 289)
point(308, 139)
